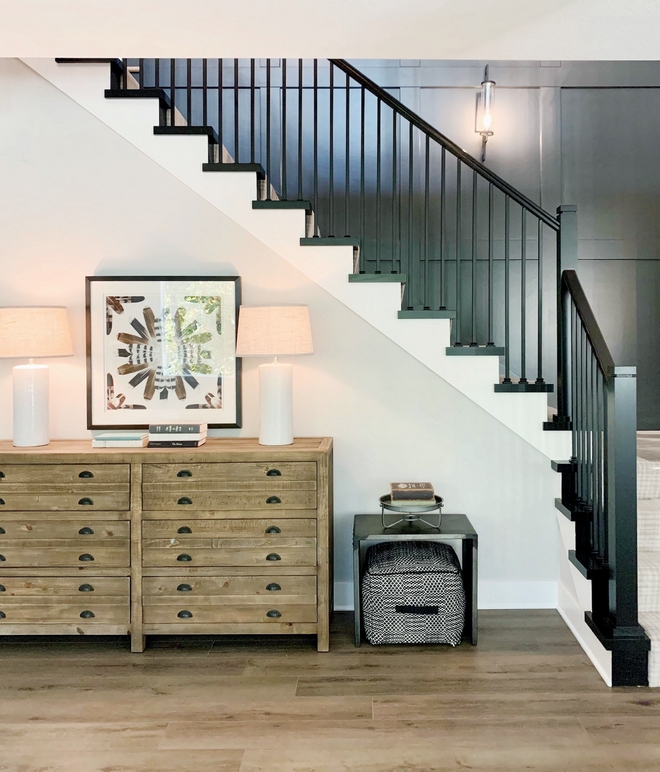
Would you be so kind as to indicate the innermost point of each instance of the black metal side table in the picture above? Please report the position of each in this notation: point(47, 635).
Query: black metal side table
point(369, 530)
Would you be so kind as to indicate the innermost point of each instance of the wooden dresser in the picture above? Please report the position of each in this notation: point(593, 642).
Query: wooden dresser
point(232, 537)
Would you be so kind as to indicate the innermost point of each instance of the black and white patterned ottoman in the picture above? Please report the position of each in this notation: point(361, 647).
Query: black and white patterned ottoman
point(412, 592)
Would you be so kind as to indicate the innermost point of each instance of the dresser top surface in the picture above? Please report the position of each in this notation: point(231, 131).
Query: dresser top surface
point(215, 449)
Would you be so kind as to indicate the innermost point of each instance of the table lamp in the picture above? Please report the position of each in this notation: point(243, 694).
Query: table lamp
point(274, 331)
point(30, 332)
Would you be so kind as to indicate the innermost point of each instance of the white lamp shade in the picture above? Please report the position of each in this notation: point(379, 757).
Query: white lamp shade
point(266, 331)
point(35, 331)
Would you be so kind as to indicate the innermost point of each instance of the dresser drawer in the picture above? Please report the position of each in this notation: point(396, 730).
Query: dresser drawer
point(184, 529)
point(101, 610)
point(229, 552)
point(50, 499)
point(191, 500)
point(47, 587)
point(64, 553)
point(220, 472)
point(83, 476)
point(232, 590)
point(189, 613)
point(83, 532)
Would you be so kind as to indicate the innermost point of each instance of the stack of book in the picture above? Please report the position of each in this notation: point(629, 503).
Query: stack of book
point(412, 494)
point(177, 435)
point(133, 438)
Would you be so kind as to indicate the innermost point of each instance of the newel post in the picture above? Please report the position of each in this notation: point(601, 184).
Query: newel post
point(567, 260)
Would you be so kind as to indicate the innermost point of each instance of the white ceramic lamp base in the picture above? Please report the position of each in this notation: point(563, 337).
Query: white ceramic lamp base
point(31, 419)
point(275, 404)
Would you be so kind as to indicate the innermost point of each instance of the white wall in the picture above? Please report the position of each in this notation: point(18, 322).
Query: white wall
point(76, 200)
point(431, 29)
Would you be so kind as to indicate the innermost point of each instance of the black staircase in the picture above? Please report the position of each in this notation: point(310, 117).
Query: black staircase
point(464, 244)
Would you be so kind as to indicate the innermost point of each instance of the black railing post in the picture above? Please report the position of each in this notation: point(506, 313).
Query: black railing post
point(567, 260)
point(629, 651)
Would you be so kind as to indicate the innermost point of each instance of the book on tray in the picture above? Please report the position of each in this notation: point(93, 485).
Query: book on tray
point(415, 493)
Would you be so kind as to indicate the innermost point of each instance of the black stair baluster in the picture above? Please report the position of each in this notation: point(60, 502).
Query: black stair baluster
point(427, 160)
point(347, 183)
point(221, 93)
point(157, 73)
point(300, 130)
point(189, 115)
point(362, 199)
point(410, 285)
point(396, 243)
point(378, 180)
point(252, 115)
point(237, 154)
point(331, 154)
point(205, 84)
point(539, 253)
point(459, 224)
point(523, 297)
point(490, 341)
point(172, 88)
point(474, 259)
point(316, 148)
point(507, 276)
point(284, 155)
point(269, 179)
point(443, 221)
point(141, 80)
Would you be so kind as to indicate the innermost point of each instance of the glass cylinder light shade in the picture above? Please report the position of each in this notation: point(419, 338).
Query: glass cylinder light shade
point(484, 115)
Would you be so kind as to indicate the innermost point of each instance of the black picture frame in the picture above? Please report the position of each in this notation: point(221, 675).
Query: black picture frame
point(165, 355)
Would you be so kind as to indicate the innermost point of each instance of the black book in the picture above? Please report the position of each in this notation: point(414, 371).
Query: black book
point(175, 443)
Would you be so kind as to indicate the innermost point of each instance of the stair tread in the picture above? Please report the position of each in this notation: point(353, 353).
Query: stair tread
point(234, 167)
point(377, 278)
point(272, 204)
point(208, 131)
point(589, 565)
point(474, 351)
point(329, 241)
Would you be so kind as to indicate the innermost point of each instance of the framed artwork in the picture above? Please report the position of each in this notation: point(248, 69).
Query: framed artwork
point(162, 350)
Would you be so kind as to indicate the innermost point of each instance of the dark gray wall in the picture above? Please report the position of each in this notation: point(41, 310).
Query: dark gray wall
point(575, 133)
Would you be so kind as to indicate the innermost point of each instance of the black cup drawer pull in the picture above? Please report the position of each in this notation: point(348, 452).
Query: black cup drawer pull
point(2, 558)
point(2, 475)
point(184, 615)
point(86, 475)
point(86, 588)
point(273, 614)
point(184, 558)
point(2, 501)
point(86, 502)
point(273, 473)
point(86, 531)
point(273, 529)
point(87, 615)
point(184, 529)
point(273, 500)
point(273, 587)
point(184, 500)
point(184, 588)
point(3, 588)
point(2, 530)
point(85, 558)
point(3, 615)
point(184, 473)
point(273, 556)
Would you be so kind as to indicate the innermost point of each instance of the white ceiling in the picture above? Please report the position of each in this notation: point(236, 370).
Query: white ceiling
point(427, 29)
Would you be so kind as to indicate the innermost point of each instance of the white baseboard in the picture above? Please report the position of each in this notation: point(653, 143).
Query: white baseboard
point(492, 595)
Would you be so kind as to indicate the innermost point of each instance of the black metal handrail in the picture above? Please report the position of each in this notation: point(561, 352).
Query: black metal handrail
point(599, 489)
point(441, 139)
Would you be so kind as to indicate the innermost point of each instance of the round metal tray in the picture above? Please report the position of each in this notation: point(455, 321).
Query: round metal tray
point(411, 513)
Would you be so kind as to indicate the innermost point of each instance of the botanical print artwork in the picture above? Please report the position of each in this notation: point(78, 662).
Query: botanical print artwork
point(168, 347)
point(165, 351)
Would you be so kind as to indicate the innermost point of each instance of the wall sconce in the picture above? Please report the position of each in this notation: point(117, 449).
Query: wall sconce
point(483, 118)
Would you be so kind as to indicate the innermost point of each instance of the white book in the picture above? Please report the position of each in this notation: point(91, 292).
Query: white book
point(120, 443)
point(121, 436)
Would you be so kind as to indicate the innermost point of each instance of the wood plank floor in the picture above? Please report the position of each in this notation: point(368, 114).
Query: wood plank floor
point(526, 698)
